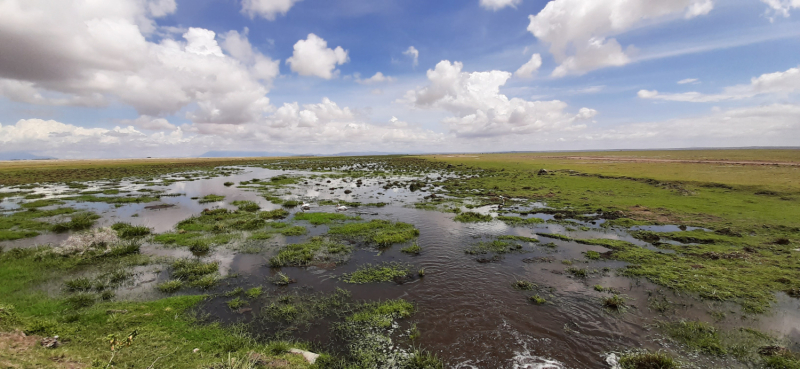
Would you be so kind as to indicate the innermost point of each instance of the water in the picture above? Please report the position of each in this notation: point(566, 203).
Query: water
point(468, 313)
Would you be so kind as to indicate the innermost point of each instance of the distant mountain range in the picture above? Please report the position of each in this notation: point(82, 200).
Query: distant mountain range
point(21, 155)
point(265, 154)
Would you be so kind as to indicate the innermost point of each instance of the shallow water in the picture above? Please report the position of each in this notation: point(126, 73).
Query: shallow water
point(468, 313)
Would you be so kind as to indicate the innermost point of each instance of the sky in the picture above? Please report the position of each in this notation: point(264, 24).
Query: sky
point(178, 78)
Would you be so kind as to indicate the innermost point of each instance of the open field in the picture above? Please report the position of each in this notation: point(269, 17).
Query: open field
point(682, 258)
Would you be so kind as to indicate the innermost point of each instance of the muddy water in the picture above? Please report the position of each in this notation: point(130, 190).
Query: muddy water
point(468, 313)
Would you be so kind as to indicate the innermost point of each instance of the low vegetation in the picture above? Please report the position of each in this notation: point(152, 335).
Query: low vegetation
point(381, 233)
point(384, 272)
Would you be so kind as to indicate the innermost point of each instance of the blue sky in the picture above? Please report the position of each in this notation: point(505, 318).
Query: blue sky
point(136, 78)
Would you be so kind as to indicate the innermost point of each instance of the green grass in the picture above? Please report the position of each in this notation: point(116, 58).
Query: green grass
point(518, 238)
point(78, 222)
point(517, 221)
point(28, 223)
point(253, 293)
point(538, 300)
point(126, 231)
point(246, 205)
point(316, 250)
point(592, 255)
point(323, 218)
point(196, 273)
point(274, 214)
point(374, 273)
point(647, 360)
point(114, 199)
point(236, 303)
point(494, 247)
point(41, 203)
point(211, 198)
point(696, 335)
point(523, 285)
point(412, 249)
point(379, 232)
point(170, 286)
point(472, 217)
point(615, 303)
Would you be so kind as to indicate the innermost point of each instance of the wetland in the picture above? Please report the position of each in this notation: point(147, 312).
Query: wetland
point(614, 260)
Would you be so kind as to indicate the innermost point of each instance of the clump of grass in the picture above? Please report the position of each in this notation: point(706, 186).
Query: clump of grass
point(556, 236)
point(126, 231)
point(523, 285)
point(517, 221)
point(318, 249)
point(273, 214)
point(647, 360)
point(170, 286)
point(472, 217)
point(291, 203)
point(41, 203)
point(578, 272)
point(78, 222)
point(496, 247)
point(281, 279)
point(196, 273)
point(80, 300)
point(518, 238)
point(413, 249)
point(592, 255)
point(382, 314)
point(234, 292)
point(384, 272)
point(599, 288)
point(615, 303)
point(538, 300)
point(211, 198)
point(236, 303)
point(199, 247)
point(228, 184)
point(254, 292)
point(323, 218)
point(250, 206)
point(78, 284)
point(293, 231)
point(699, 336)
point(379, 232)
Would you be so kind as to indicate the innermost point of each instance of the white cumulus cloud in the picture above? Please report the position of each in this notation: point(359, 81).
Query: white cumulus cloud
point(413, 53)
point(267, 9)
point(312, 57)
point(377, 78)
point(579, 31)
point(480, 110)
point(528, 69)
point(499, 4)
point(95, 53)
point(778, 83)
point(780, 7)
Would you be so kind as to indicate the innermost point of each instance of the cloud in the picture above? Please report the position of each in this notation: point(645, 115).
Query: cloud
point(377, 78)
point(267, 9)
point(312, 57)
point(499, 4)
point(769, 125)
point(579, 31)
point(149, 123)
point(413, 53)
point(780, 7)
point(687, 80)
point(778, 83)
point(528, 69)
point(69, 141)
point(261, 66)
point(480, 110)
point(93, 54)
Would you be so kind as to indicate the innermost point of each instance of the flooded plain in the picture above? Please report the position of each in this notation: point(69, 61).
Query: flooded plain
point(468, 312)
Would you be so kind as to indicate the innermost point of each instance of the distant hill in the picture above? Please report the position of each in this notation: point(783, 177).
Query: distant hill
point(264, 154)
point(21, 155)
point(244, 154)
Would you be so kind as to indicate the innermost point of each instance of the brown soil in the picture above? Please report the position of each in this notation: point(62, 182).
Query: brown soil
point(18, 350)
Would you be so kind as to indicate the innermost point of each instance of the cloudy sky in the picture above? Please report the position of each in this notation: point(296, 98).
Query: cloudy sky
point(134, 78)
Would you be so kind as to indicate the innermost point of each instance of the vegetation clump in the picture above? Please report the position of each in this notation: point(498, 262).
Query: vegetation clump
point(126, 231)
point(615, 303)
point(538, 300)
point(496, 247)
point(379, 232)
point(472, 217)
point(196, 273)
point(412, 249)
point(384, 272)
point(524, 285)
point(211, 198)
point(78, 222)
point(250, 206)
point(316, 250)
point(697, 335)
point(323, 218)
point(170, 286)
point(647, 360)
point(518, 221)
